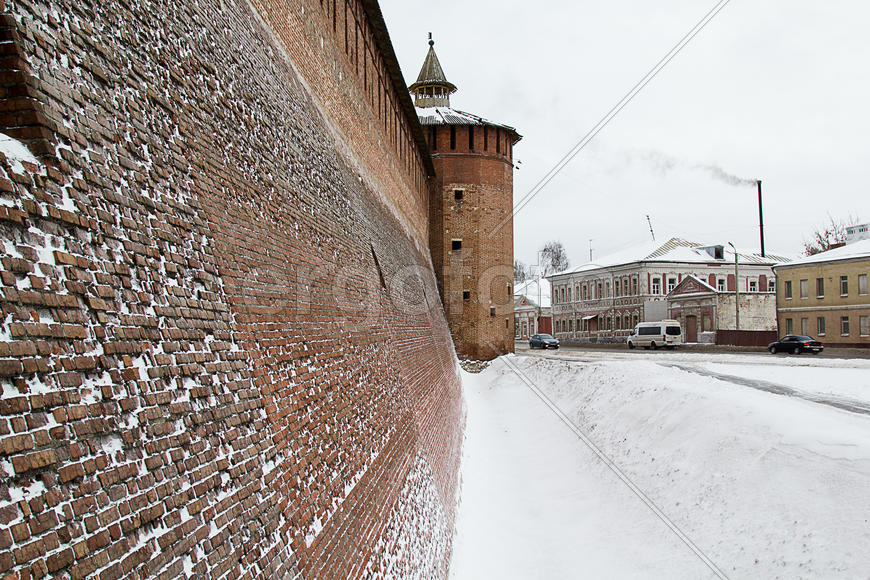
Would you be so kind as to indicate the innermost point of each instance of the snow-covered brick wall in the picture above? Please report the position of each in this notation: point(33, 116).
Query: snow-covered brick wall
point(222, 351)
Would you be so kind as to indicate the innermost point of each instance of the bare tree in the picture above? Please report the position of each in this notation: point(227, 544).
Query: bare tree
point(829, 236)
point(554, 258)
point(521, 271)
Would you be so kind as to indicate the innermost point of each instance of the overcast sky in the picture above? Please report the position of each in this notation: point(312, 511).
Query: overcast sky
point(776, 90)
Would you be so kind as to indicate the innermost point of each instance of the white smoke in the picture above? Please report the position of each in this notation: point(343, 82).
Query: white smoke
point(664, 163)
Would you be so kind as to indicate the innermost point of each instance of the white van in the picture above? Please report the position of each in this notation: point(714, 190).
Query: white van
point(667, 333)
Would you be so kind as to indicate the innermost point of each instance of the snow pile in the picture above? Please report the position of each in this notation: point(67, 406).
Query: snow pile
point(16, 152)
point(766, 486)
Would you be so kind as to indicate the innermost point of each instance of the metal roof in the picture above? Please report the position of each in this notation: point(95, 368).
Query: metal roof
point(674, 250)
point(859, 250)
point(448, 116)
point(432, 73)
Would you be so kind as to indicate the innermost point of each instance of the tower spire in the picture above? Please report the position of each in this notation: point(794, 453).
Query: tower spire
point(432, 88)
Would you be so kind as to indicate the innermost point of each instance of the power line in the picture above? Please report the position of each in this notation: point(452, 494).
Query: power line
point(653, 72)
point(615, 469)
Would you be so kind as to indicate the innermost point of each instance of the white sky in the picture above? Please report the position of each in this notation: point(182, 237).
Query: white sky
point(776, 90)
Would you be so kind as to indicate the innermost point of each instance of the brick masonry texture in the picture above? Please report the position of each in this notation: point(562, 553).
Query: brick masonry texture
point(477, 280)
point(223, 352)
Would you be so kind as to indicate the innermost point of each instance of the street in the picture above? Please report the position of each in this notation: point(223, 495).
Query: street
point(665, 464)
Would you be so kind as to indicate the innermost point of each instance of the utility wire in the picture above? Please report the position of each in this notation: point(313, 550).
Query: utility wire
point(653, 72)
point(615, 469)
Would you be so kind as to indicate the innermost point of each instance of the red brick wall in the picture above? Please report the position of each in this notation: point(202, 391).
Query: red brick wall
point(479, 277)
point(222, 347)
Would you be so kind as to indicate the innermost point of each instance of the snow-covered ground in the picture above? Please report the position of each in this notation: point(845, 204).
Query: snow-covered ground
point(762, 484)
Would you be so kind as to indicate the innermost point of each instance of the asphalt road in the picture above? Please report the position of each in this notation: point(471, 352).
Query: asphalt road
point(829, 352)
point(692, 359)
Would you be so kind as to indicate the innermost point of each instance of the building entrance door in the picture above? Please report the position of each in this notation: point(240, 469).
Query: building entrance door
point(691, 329)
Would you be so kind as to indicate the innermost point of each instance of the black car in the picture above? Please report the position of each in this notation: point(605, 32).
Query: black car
point(796, 344)
point(543, 341)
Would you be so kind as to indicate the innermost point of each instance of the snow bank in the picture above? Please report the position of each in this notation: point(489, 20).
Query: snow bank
point(766, 486)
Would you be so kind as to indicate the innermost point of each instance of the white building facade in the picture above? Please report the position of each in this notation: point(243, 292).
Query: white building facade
point(602, 301)
point(532, 312)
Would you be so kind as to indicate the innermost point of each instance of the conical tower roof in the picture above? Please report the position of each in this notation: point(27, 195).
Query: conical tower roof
point(432, 83)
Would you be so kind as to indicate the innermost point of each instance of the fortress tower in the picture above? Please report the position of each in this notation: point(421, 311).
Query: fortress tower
point(471, 216)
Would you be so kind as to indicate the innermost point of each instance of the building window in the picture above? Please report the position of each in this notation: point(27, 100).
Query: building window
point(485, 138)
point(805, 288)
point(456, 245)
point(471, 137)
point(656, 286)
point(458, 194)
point(820, 287)
point(672, 283)
point(452, 137)
point(491, 311)
point(570, 294)
point(466, 295)
point(771, 285)
point(820, 326)
point(864, 325)
point(844, 326)
point(598, 293)
point(616, 288)
point(753, 285)
point(571, 325)
point(844, 285)
point(788, 289)
point(862, 284)
point(789, 326)
point(607, 289)
point(720, 284)
point(805, 326)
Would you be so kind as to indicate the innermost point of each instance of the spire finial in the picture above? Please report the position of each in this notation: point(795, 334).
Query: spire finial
point(431, 42)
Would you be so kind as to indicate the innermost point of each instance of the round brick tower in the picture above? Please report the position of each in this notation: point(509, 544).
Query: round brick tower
point(471, 216)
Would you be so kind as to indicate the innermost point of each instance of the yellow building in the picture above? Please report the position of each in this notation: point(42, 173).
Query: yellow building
point(825, 296)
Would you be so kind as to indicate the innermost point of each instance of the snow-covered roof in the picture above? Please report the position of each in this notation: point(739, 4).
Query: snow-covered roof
point(694, 284)
point(674, 250)
point(855, 250)
point(449, 116)
point(529, 289)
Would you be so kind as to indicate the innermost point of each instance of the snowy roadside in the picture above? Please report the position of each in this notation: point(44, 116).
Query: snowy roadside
point(766, 486)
